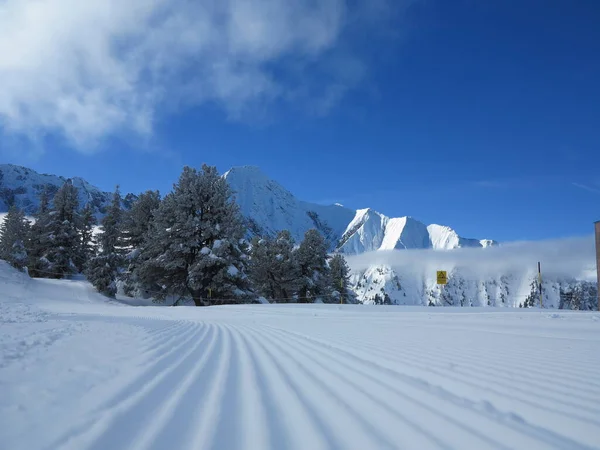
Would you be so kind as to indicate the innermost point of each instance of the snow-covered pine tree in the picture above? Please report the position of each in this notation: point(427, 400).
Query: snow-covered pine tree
point(195, 245)
point(273, 267)
point(136, 224)
point(340, 279)
point(86, 242)
point(136, 221)
point(589, 296)
point(39, 240)
point(313, 272)
point(103, 268)
point(13, 236)
point(150, 274)
point(286, 267)
point(260, 270)
point(55, 235)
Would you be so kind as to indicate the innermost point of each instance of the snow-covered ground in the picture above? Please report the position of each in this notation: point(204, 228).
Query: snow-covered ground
point(78, 372)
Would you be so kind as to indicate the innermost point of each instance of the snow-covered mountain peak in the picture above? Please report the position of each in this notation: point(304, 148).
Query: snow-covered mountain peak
point(23, 187)
point(248, 171)
point(364, 233)
point(445, 238)
point(270, 208)
point(405, 233)
point(371, 230)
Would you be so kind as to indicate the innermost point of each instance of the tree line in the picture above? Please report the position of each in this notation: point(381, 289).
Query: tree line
point(189, 245)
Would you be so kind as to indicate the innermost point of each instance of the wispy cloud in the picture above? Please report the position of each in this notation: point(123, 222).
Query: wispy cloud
point(587, 188)
point(90, 69)
point(491, 184)
point(572, 257)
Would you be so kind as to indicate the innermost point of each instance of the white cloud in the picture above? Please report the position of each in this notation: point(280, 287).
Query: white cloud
point(89, 69)
point(573, 257)
point(587, 188)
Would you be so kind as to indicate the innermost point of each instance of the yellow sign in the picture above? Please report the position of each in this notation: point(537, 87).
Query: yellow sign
point(442, 277)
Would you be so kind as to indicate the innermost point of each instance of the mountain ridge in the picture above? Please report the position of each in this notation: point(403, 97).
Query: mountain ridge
point(268, 208)
point(266, 202)
point(22, 187)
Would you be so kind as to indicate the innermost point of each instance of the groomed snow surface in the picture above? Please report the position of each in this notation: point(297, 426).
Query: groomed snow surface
point(80, 372)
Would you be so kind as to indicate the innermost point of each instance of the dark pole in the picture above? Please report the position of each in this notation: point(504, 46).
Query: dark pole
point(597, 227)
point(540, 284)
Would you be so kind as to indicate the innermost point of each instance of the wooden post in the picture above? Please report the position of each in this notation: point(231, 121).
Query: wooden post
point(597, 228)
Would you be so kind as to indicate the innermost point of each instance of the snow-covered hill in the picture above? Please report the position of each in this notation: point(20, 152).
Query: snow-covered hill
point(79, 372)
point(22, 187)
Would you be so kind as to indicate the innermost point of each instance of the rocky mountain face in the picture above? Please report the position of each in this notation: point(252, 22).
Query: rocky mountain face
point(23, 187)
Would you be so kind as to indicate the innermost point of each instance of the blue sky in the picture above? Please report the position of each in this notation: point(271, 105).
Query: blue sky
point(484, 116)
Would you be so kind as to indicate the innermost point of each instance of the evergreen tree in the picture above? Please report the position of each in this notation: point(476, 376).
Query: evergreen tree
point(64, 228)
point(195, 244)
point(589, 296)
point(44, 203)
point(340, 279)
point(85, 249)
point(273, 267)
point(55, 238)
point(39, 240)
point(136, 221)
point(260, 268)
point(13, 236)
point(102, 269)
point(285, 266)
point(313, 272)
point(136, 225)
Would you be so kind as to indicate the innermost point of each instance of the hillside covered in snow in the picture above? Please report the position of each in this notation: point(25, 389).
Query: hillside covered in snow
point(79, 371)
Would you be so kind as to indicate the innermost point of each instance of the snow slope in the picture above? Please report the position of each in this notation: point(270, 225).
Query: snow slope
point(78, 372)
